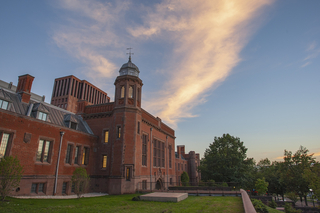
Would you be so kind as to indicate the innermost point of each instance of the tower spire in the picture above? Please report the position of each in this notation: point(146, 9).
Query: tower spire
point(129, 53)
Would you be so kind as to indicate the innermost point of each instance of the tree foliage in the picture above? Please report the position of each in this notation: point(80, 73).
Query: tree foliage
point(312, 175)
point(184, 178)
point(80, 180)
point(226, 161)
point(10, 175)
point(261, 186)
point(293, 169)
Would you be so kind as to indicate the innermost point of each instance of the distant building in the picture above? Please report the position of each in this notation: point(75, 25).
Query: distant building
point(122, 146)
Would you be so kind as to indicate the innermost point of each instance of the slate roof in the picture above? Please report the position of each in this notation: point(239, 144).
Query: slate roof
point(56, 115)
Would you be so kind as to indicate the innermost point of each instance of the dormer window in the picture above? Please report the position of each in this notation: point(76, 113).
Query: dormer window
point(131, 92)
point(73, 125)
point(42, 116)
point(4, 104)
point(122, 92)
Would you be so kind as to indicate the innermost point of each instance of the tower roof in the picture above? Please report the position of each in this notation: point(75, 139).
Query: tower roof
point(129, 68)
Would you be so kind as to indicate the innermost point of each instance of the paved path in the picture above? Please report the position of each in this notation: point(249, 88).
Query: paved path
point(61, 196)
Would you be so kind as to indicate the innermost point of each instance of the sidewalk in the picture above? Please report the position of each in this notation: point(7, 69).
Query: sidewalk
point(61, 196)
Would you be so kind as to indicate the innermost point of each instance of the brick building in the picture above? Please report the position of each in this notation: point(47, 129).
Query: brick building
point(121, 145)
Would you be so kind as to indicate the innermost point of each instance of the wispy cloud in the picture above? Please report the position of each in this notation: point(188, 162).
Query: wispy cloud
point(208, 38)
point(313, 53)
point(89, 34)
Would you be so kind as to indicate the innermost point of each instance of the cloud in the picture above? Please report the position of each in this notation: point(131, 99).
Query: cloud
point(207, 38)
point(313, 53)
point(89, 34)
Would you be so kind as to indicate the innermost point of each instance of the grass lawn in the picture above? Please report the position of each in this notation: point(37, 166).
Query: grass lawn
point(123, 203)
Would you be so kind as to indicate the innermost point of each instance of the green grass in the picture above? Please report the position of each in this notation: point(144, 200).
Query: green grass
point(123, 203)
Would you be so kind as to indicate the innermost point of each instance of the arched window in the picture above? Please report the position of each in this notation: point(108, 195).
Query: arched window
point(122, 92)
point(131, 92)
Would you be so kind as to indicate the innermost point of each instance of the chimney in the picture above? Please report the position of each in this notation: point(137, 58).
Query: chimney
point(24, 87)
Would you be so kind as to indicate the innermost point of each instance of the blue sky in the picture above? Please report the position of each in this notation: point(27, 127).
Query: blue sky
point(247, 68)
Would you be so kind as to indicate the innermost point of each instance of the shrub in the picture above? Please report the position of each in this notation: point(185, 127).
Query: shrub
point(185, 178)
point(224, 184)
point(261, 186)
point(10, 175)
point(259, 206)
point(211, 183)
point(292, 196)
point(272, 204)
point(136, 198)
point(289, 209)
point(80, 180)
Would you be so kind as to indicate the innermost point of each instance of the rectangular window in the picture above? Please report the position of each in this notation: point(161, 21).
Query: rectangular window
point(85, 156)
point(4, 104)
point(43, 151)
point(42, 116)
point(4, 144)
point(155, 153)
point(138, 128)
point(73, 125)
point(38, 188)
point(69, 154)
point(64, 188)
point(72, 187)
point(34, 188)
point(104, 161)
point(144, 184)
point(128, 174)
point(158, 153)
point(106, 136)
point(185, 167)
point(76, 155)
point(170, 163)
point(170, 181)
point(144, 150)
point(118, 131)
point(178, 166)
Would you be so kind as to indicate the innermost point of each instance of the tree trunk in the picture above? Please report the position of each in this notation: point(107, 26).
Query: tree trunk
point(305, 199)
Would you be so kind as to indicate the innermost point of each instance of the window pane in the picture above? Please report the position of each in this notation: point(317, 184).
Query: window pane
point(64, 187)
point(73, 125)
point(130, 92)
point(83, 156)
point(33, 188)
point(104, 162)
point(44, 116)
point(106, 136)
point(68, 153)
point(122, 92)
point(39, 152)
point(41, 187)
point(4, 105)
point(46, 152)
point(4, 144)
point(76, 155)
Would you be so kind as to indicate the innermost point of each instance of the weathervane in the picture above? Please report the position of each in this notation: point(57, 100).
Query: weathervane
point(129, 53)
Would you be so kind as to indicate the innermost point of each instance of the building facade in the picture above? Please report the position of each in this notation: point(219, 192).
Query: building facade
point(122, 146)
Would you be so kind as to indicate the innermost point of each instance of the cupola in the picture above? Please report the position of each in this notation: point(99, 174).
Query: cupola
point(129, 68)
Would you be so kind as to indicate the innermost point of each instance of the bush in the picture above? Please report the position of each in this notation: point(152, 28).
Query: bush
point(10, 175)
point(211, 183)
point(289, 209)
point(259, 206)
point(292, 196)
point(136, 198)
point(224, 184)
point(80, 180)
point(272, 204)
point(261, 186)
point(185, 179)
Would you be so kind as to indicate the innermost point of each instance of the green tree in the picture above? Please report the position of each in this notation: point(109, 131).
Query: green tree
point(185, 179)
point(293, 169)
point(80, 181)
point(10, 175)
point(312, 175)
point(261, 186)
point(226, 161)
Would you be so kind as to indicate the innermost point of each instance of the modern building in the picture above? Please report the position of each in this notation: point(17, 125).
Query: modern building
point(121, 145)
